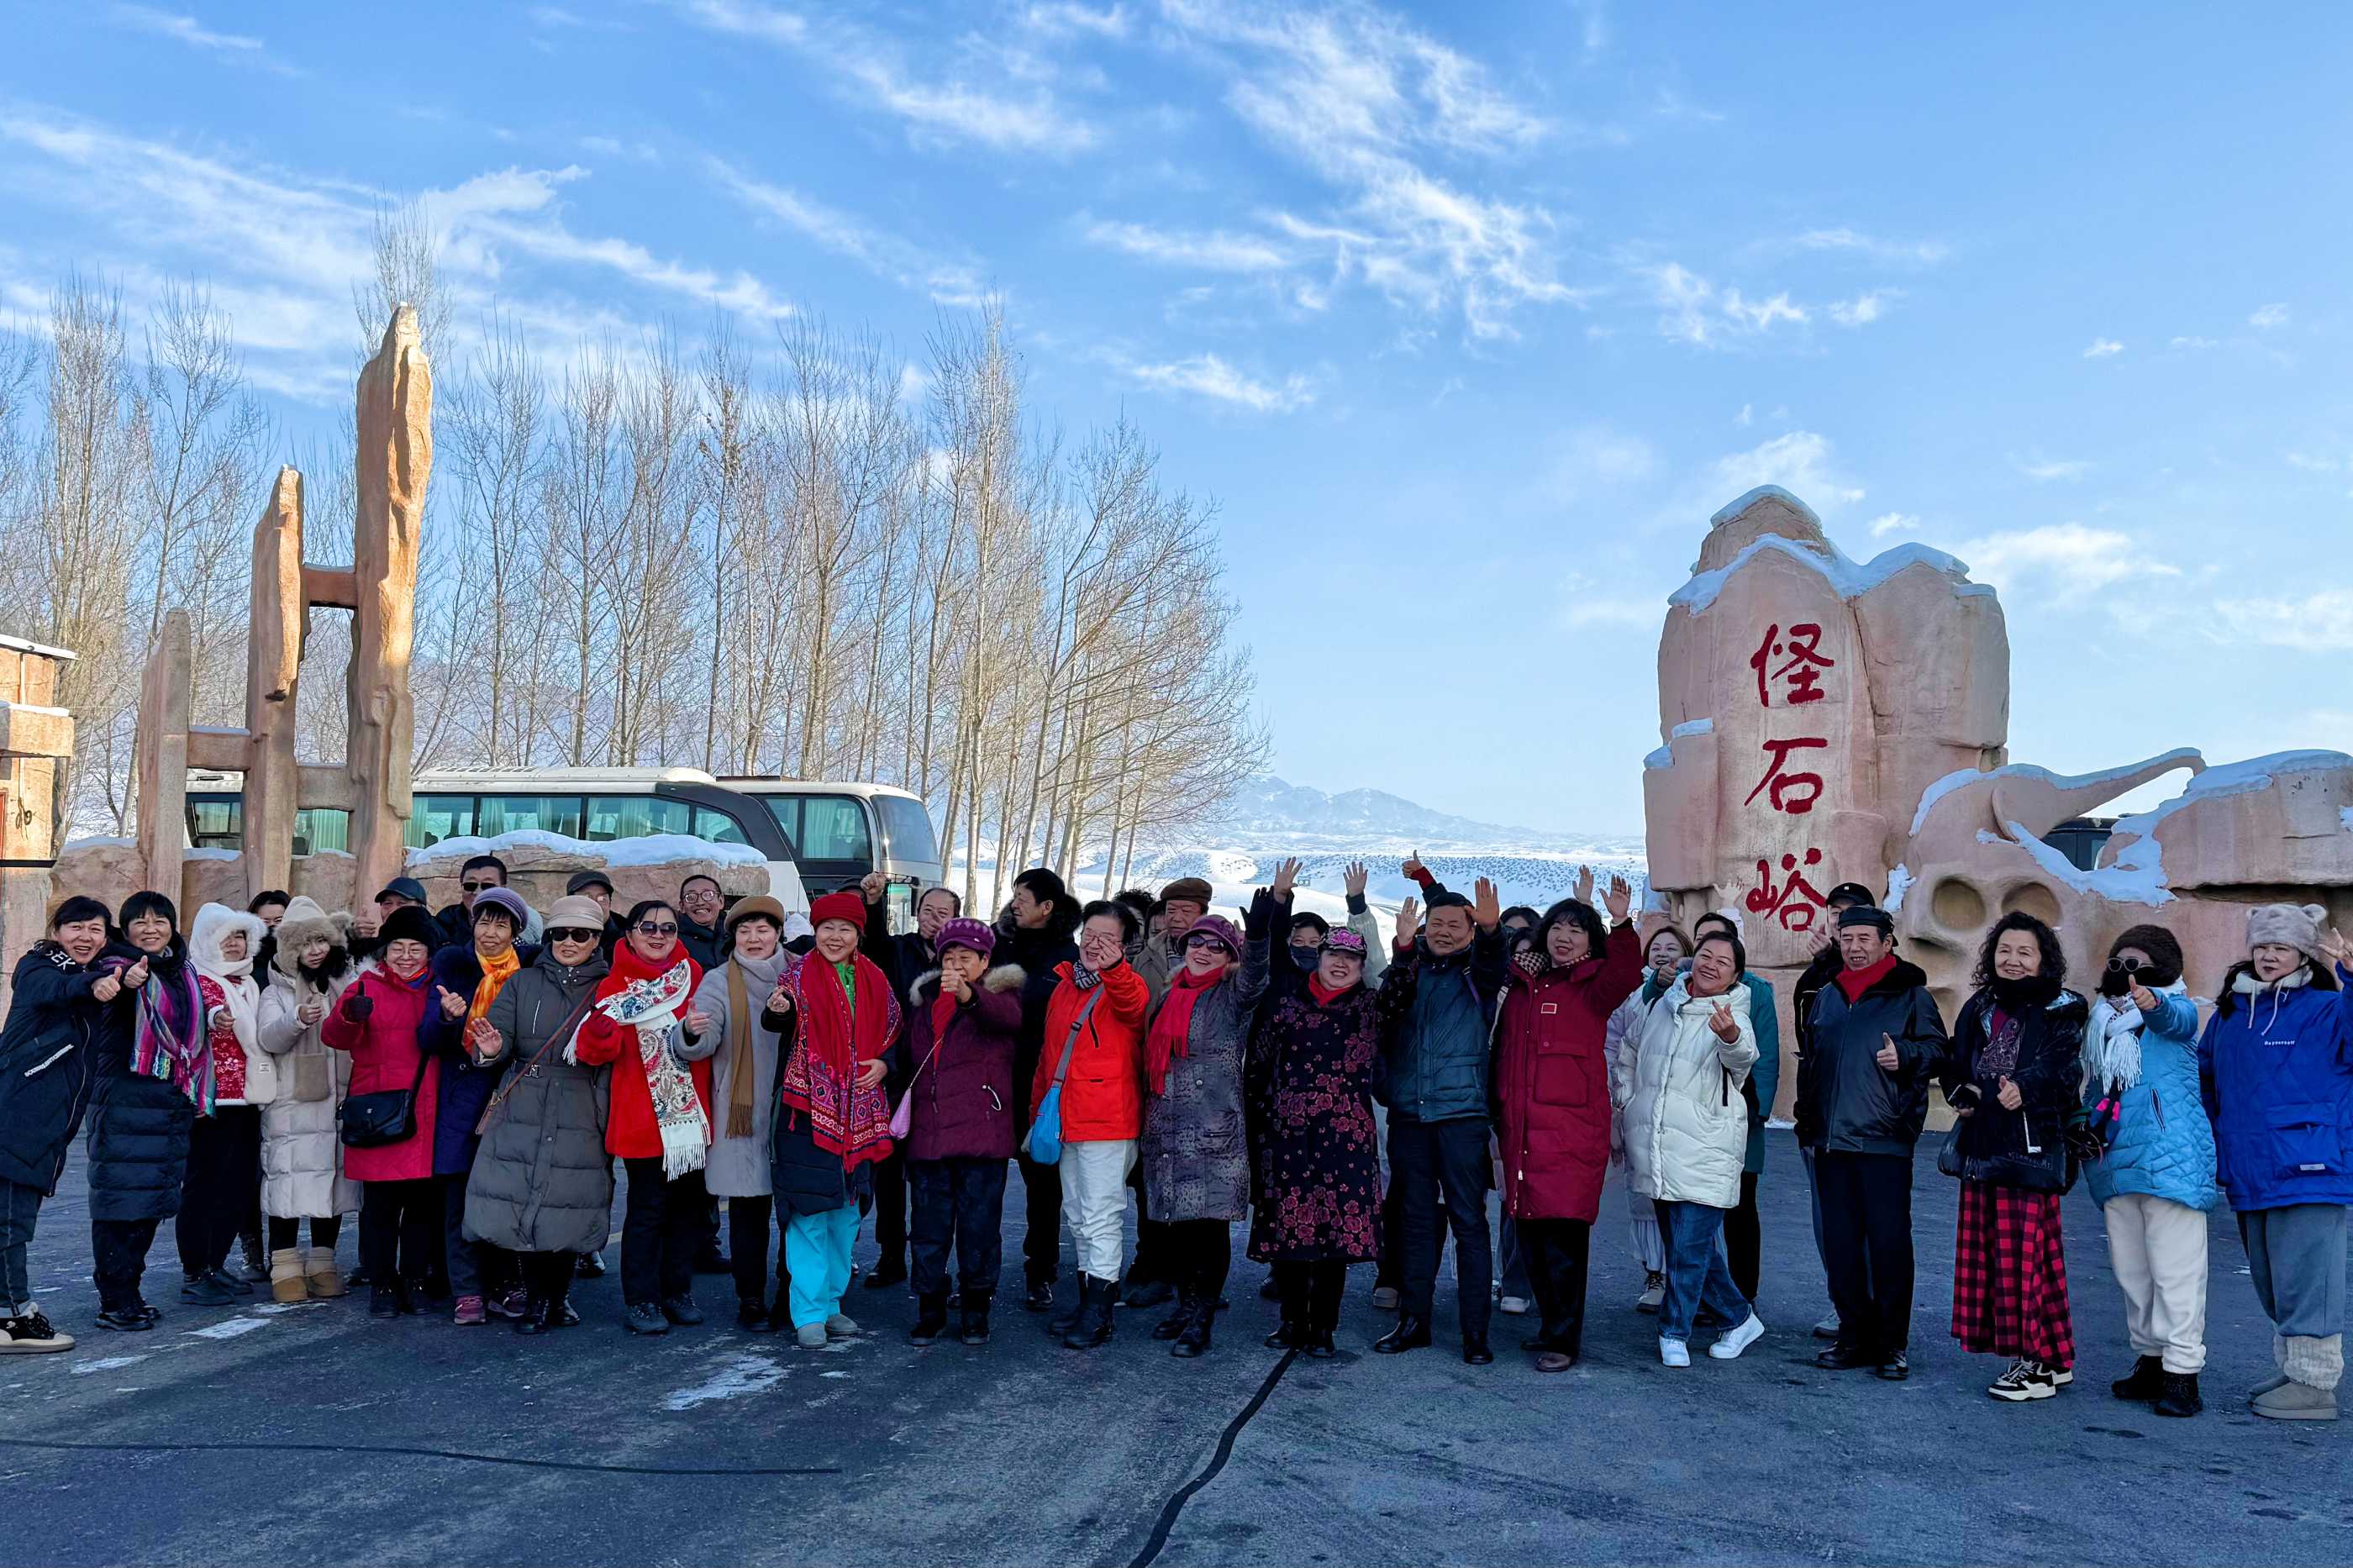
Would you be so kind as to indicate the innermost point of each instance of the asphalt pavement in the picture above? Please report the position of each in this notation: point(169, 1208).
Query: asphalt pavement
point(313, 1435)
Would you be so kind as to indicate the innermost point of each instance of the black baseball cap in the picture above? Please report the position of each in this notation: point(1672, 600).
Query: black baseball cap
point(1851, 893)
point(407, 887)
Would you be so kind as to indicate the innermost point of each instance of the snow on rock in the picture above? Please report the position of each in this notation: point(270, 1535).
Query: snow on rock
point(2228, 779)
point(1691, 727)
point(1665, 757)
point(2182, 757)
point(100, 844)
point(2141, 882)
point(1732, 508)
point(653, 850)
point(1849, 578)
point(208, 854)
point(1899, 882)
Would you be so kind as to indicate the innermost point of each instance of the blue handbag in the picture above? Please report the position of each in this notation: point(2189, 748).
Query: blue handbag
point(1045, 1142)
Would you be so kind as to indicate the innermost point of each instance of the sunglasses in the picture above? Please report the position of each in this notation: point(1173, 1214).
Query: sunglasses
point(2127, 965)
point(478, 886)
point(660, 928)
point(573, 933)
point(1204, 940)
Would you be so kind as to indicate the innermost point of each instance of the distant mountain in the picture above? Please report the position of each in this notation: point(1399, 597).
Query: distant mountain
point(1272, 809)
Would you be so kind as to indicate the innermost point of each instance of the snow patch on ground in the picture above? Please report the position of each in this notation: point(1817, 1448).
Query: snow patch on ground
point(740, 1375)
point(230, 1329)
point(104, 1364)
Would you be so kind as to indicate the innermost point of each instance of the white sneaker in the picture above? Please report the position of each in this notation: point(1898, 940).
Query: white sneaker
point(1675, 1352)
point(2026, 1379)
point(1514, 1305)
point(1828, 1328)
point(1729, 1346)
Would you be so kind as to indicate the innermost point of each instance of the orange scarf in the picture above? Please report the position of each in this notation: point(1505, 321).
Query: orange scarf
point(496, 973)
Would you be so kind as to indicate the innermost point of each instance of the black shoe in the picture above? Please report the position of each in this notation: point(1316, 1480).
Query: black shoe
point(1040, 1296)
point(1895, 1368)
point(886, 1274)
point(1176, 1322)
point(681, 1310)
point(972, 1313)
point(590, 1267)
point(383, 1302)
point(645, 1317)
point(930, 1318)
point(1147, 1293)
point(126, 1320)
point(1319, 1345)
point(2181, 1395)
point(1475, 1351)
point(564, 1315)
point(754, 1318)
point(2145, 1384)
point(534, 1318)
point(357, 1277)
point(1094, 1326)
point(433, 1288)
point(152, 1313)
point(1288, 1335)
point(203, 1291)
point(1194, 1338)
point(1845, 1358)
point(233, 1283)
point(1411, 1334)
point(956, 1300)
point(408, 1294)
point(1063, 1322)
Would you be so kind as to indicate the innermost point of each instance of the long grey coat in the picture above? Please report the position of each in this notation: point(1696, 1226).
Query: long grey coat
point(542, 1181)
point(738, 1167)
point(1195, 1151)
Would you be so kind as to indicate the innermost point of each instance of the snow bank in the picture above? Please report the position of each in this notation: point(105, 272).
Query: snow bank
point(2140, 881)
point(1665, 757)
point(1848, 578)
point(653, 850)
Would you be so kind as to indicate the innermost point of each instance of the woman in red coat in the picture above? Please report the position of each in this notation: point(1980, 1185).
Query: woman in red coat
point(1552, 1097)
point(400, 1203)
point(659, 1116)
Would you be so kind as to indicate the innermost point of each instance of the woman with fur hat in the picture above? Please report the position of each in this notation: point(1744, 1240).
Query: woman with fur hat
point(834, 1118)
point(955, 1063)
point(223, 1183)
point(2154, 1178)
point(2276, 1069)
point(744, 1053)
point(301, 1156)
point(376, 1021)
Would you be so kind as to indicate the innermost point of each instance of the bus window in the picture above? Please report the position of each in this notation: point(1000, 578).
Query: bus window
point(558, 813)
point(833, 827)
point(907, 826)
point(216, 824)
point(636, 816)
point(716, 826)
point(439, 817)
point(319, 828)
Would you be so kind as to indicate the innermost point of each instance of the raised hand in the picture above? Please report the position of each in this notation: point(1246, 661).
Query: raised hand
point(2338, 948)
point(961, 988)
point(872, 886)
point(2010, 1098)
point(1726, 1026)
point(2143, 997)
point(365, 922)
point(1620, 900)
point(105, 988)
point(136, 975)
point(1486, 906)
point(1353, 880)
point(311, 1010)
point(452, 1004)
point(1409, 923)
point(1584, 891)
point(1286, 877)
point(358, 1004)
point(780, 999)
point(1413, 869)
point(483, 1039)
point(1889, 1058)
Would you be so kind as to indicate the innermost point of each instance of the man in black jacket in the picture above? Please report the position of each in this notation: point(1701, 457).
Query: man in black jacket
point(1874, 1038)
point(1035, 932)
point(903, 957)
point(1826, 963)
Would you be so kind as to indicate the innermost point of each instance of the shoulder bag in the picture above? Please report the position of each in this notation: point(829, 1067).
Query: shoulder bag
point(386, 1116)
point(490, 1117)
point(1045, 1142)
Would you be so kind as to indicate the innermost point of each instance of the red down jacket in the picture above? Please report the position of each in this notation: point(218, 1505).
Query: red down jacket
point(1551, 1087)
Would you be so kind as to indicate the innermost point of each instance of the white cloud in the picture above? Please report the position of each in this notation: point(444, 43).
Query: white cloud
point(1628, 613)
point(1594, 36)
point(1746, 416)
point(2314, 463)
point(1889, 522)
point(1922, 252)
point(1211, 251)
point(2103, 348)
point(1597, 457)
point(2063, 562)
point(1670, 104)
point(235, 46)
point(1062, 20)
point(2191, 343)
point(2043, 470)
point(1864, 307)
point(1694, 311)
point(2268, 316)
point(885, 255)
point(1212, 377)
point(2319, 622)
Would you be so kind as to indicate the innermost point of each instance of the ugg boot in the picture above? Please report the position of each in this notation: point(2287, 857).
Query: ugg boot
point(319, 1274)
point(286, 1283)
point(2278, 1379)
point(2314, 1364)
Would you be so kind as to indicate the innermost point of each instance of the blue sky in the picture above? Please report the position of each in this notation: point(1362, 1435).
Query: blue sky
point(1467, 316)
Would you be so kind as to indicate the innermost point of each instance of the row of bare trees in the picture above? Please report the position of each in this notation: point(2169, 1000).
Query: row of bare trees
point(799, 558)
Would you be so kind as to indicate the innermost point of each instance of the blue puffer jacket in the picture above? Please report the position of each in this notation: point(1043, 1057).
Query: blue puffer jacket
point(2163, 1146)
point(2277, 1073)
point(1436, 1017)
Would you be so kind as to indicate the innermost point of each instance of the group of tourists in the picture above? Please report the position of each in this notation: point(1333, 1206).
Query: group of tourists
point(464, 1083)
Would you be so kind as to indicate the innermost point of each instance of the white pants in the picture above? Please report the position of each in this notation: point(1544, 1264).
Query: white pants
point(1095, 1202)
point(2158, 1248)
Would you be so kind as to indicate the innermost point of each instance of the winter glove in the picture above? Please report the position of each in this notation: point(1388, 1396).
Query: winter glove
point(358, 1006)
point(1258, 921)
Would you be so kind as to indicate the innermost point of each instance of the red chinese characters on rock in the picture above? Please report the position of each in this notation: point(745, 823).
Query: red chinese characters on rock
point(1781, 785)
point(1795, 904)
point(1789, 663)
point(1801, 674)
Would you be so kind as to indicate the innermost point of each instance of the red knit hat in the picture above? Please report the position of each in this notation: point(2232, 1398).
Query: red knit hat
point(842, 906)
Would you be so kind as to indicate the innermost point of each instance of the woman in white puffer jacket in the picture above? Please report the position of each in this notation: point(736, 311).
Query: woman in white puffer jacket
point(1687, 1129)
point(301, 1150)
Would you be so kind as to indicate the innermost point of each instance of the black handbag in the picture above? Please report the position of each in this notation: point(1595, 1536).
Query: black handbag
point(387, 1116)
point(2052, 1168)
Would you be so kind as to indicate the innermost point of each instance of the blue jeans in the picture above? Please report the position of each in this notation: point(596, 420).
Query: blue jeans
point(1696, 1275)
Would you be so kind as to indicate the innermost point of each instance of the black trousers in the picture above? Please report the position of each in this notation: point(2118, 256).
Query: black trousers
point(1195, 1256)
point(891, 1190)
point(1867, 1246)
point(1042, 1205)
point(400, 1223)
point(1310, 1293)
point(960, 1203)
point(1154, 1259)
point(1430, 1158)
point(546, 1275)
point(660, 1232)
point(476, 1267)
point(221, 1186)
point(118, 1249)
point(285, 1233)
point(1557, 1251)
point(1388, 1272)
point(747, 1249)
point(1743, 1238)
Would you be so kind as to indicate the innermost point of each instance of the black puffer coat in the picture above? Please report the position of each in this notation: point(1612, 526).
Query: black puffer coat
point(1848, 1103)
point(139, 1127)
point(2048, 1074)
point(542, 1181)
point(45, 1065)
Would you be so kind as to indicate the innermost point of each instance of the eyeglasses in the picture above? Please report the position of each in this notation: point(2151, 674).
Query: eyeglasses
point(653, 928)
point(571, 933)
point(478, 887)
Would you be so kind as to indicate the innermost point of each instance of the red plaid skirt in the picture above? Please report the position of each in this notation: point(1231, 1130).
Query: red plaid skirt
point(2009, 1275)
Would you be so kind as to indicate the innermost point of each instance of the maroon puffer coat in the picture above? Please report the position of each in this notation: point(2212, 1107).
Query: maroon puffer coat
point(966, 1100)
point(1551, 1087)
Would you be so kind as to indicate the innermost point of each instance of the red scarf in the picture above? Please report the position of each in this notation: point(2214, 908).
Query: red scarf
point(1855, 982)
point(1324, 995)
point(840, 1039)
point(1173, 1028)
point(818, 1076)
point(943, 1011)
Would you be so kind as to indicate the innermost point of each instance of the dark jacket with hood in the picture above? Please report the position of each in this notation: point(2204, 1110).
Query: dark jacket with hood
point(466, 1085)
point(139, 1127)
point(44, 1064)
point(967, 1096)
point(1848, 1103)
point(1037, 954)
point(1437, 1016)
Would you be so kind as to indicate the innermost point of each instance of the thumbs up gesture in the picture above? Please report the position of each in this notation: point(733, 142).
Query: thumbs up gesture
point(1726, 1026)
point(452, 1004)
point(1888, 1058)
point(2010, 1098)
point(136, 975)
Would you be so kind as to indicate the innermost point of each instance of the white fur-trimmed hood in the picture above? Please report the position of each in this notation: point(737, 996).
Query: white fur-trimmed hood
point(1004, 977)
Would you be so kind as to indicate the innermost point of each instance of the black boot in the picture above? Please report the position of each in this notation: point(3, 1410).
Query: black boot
point(1194, 1338)
point(971, 1306)
point(535, 1309)
point(1175, 1322)
point(2181, 1395)
point(1093, 1325)
point(1063, 1321)
point(1039, 1295)
point(930, 1318)
point(1411, 1334)
point(1291, 1295)
point(1474, 1348)
point(2145, 1384)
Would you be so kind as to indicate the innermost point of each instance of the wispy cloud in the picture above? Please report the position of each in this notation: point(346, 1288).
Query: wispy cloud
point(1064, 20)
point(2267, 316)
point(2043, 470)
point(1803, 462)
point(2103, 348)
point(237, 46)
point(2320, 622)
point(886, 254)
point(2191, 343)
point(1670, 104)
point(1889, 522)
point(940, 103)
point(2063, 562)
point(1207, 375)
point(1694, 311)
point(1921, 252)
point(1208, 251)
point(1864, 307)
